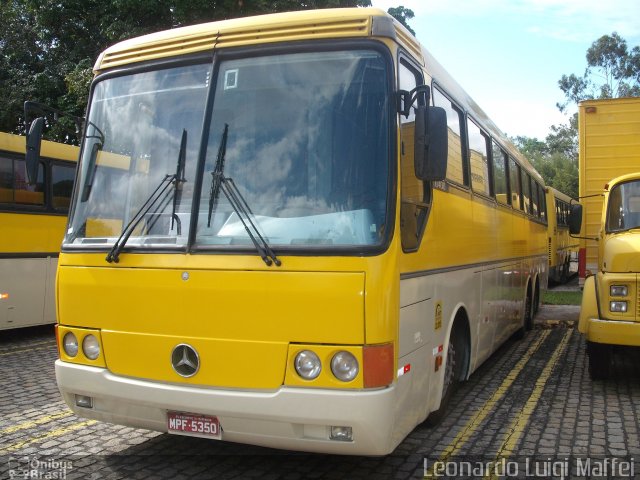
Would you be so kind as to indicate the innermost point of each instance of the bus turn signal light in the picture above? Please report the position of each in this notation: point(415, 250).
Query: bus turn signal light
point(378, 365)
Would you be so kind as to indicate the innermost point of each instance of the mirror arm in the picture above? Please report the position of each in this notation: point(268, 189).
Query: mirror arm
point(406, 99)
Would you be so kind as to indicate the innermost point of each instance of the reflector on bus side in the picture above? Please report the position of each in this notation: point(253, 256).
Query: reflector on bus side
point(378, 365)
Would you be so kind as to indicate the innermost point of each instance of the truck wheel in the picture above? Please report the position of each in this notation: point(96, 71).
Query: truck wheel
point(455, 365)
point(599, 360)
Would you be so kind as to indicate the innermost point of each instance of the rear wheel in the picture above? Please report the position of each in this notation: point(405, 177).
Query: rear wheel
point(454, 370)
point(599, 360)
point(536, 303)
point(528, 310)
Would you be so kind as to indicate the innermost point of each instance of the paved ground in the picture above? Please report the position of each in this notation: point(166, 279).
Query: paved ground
point(531, 408)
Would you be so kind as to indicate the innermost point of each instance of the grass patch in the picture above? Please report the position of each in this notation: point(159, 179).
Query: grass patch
point(551, 297)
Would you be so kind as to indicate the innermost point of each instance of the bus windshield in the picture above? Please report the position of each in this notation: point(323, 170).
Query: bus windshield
point(306, 149)
point(624, 207)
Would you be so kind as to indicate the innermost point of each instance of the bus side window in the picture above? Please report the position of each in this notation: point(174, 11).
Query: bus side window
point(455, 165)
point(543, 203)
point(499, 166)
point(62, 184)
point(534, 199)
point(19, 190)
point(415, 193)
point(514, 183)
point(478, 159)
point(6, 180)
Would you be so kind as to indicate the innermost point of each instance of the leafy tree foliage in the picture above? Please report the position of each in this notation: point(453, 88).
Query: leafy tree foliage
point(613, 70)
point(403, 15)
point(556, 158)
point(48, 47)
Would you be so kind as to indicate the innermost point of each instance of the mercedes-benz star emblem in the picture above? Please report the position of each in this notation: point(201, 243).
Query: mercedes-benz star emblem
point(185, 360)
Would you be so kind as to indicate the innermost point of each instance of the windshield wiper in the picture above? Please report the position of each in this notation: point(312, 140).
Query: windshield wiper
point(157, 197)
point(177, 194)
point(220, 182)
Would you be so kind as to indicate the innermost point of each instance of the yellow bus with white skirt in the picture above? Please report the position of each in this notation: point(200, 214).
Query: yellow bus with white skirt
point(293, 230)
point(33, 219)
point(562, 246)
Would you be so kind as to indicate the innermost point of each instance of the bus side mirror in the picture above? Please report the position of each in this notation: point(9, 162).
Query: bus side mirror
point(431, 143)
point(32, 156)
point(575, 219)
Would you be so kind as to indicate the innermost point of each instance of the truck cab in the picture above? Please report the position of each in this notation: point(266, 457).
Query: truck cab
point(610, 313)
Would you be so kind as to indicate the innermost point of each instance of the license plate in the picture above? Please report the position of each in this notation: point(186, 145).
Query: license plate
point(194, 425)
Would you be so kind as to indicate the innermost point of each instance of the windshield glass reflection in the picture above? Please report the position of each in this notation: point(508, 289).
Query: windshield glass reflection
point(133, 141)
point(307, 148)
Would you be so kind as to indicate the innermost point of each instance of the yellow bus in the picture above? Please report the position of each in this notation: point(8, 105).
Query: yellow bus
point(293, 230)
point(33, 220)
point(561, 245)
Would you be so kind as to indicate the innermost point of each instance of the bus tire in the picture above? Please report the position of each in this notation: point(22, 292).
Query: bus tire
point(536, 302)
point(599, 360)
point(455, 369)
point(528, 309)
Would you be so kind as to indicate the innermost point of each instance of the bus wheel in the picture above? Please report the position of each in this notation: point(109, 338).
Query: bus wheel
point(528, 310)
point(455, 365)
point(599, 360)
point(536, 303)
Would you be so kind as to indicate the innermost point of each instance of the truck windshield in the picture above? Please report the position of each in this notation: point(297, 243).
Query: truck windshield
point(308, 151)
point(624, 207)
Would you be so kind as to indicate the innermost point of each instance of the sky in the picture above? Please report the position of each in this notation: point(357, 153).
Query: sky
point(509, 54)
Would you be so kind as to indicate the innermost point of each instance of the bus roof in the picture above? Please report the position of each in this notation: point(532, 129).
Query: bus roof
point(294, 26)
point(276, 27)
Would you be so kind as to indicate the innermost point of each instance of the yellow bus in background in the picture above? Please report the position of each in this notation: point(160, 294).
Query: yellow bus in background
point(293, 230)
point(562, 246)
point(32, 220)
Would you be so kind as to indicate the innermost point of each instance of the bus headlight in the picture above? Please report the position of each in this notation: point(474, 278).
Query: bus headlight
point(70, 344)
point(308, 365)
point(618, 290)
point(344, 366)
point(90, 347)
point(618, 307)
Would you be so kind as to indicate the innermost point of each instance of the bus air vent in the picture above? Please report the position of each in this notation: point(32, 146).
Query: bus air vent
point(122, 53)
point(322, 28)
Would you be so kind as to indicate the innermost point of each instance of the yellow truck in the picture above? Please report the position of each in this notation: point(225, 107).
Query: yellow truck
point(610, 250)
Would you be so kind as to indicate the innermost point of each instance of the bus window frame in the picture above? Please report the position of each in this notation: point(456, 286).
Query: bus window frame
point(462, 116)
point(214, 58)
point(36, 208)
point(406, 60)
point(488, 145)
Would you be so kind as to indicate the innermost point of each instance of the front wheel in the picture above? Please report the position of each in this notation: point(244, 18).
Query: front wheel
point(455, 365)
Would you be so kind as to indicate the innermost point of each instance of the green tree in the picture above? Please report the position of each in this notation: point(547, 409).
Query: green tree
point(48, 47)
point(403, 15)
point(555, 158)
point(613, 70)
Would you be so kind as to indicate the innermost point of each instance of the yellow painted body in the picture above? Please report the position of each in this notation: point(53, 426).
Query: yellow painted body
point(619, 265)
point(30, 242)
point(476, 260)
point(608, 147)
point(561, 245)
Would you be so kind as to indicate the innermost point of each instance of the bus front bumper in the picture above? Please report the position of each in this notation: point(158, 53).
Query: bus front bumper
point(613, 332)
point(287, 418)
